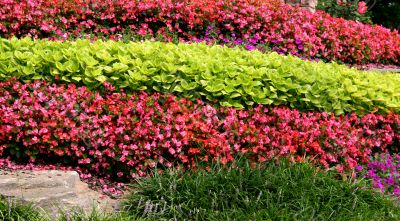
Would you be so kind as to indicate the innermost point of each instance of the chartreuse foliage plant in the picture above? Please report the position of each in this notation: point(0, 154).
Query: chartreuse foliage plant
point(232, 76)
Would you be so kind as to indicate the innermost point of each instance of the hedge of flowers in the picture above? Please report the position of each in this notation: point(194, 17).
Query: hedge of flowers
point(111, 133)
point(286, 29)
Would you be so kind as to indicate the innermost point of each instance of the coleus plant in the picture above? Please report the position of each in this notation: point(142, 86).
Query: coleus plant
point(110, 133)
point(234, 77)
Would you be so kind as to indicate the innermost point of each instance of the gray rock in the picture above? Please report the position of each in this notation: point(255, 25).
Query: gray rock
point(393, 70)
point(53, 189)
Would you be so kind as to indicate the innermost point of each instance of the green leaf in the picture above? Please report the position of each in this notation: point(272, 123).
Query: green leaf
point(234, 95)
point(71, 66)
point(236, 104)
point(76, 78)
point(101, 78)
point(188, 86)
point(60, 66)
point(65, 78)
point(213, 86)
point(120, 67)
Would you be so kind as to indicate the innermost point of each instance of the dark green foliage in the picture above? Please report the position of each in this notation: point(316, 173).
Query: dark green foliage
point(269, 192)
point(346, 10)
point(386, 13)
point(11, 210)
point(381, 12)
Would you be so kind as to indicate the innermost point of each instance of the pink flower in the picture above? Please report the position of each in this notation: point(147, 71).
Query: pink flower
point(147, 146)
point(171, 151)
point(362, 7)
point(95, 143)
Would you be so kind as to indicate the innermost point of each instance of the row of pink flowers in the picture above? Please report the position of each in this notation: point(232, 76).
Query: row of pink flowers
point(130, 134)
point(285, 28)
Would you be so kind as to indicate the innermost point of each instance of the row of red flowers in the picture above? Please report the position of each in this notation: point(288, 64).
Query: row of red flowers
point(130, 134)
point(285, 28)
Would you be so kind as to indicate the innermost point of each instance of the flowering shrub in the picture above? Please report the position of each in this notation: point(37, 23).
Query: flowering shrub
point(285, 28)
point(234, 77)
point(128, 135)
point(350, 10)
point(384, 173)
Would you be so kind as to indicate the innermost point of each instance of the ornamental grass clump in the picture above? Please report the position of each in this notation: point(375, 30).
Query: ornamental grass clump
point(268, 191)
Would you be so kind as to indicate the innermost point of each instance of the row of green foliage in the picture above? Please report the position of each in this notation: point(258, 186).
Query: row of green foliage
point(234, 77)
point(269, 191)
point(266, 191)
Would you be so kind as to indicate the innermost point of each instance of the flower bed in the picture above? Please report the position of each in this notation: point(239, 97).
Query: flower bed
point(129, 135)
point(286, 29)
point(384, 173)
point(234, 77)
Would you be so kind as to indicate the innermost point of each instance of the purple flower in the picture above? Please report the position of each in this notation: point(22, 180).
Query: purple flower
point(379, 185)
point(396, 191)
point(373, 164)
point(253, 41)
point(250, 47)
point(383, 171)
point(371, 174)
point(389, 181)
point(238, 41)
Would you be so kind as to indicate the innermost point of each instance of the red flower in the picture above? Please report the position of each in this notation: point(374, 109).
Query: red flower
point(165, 130)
